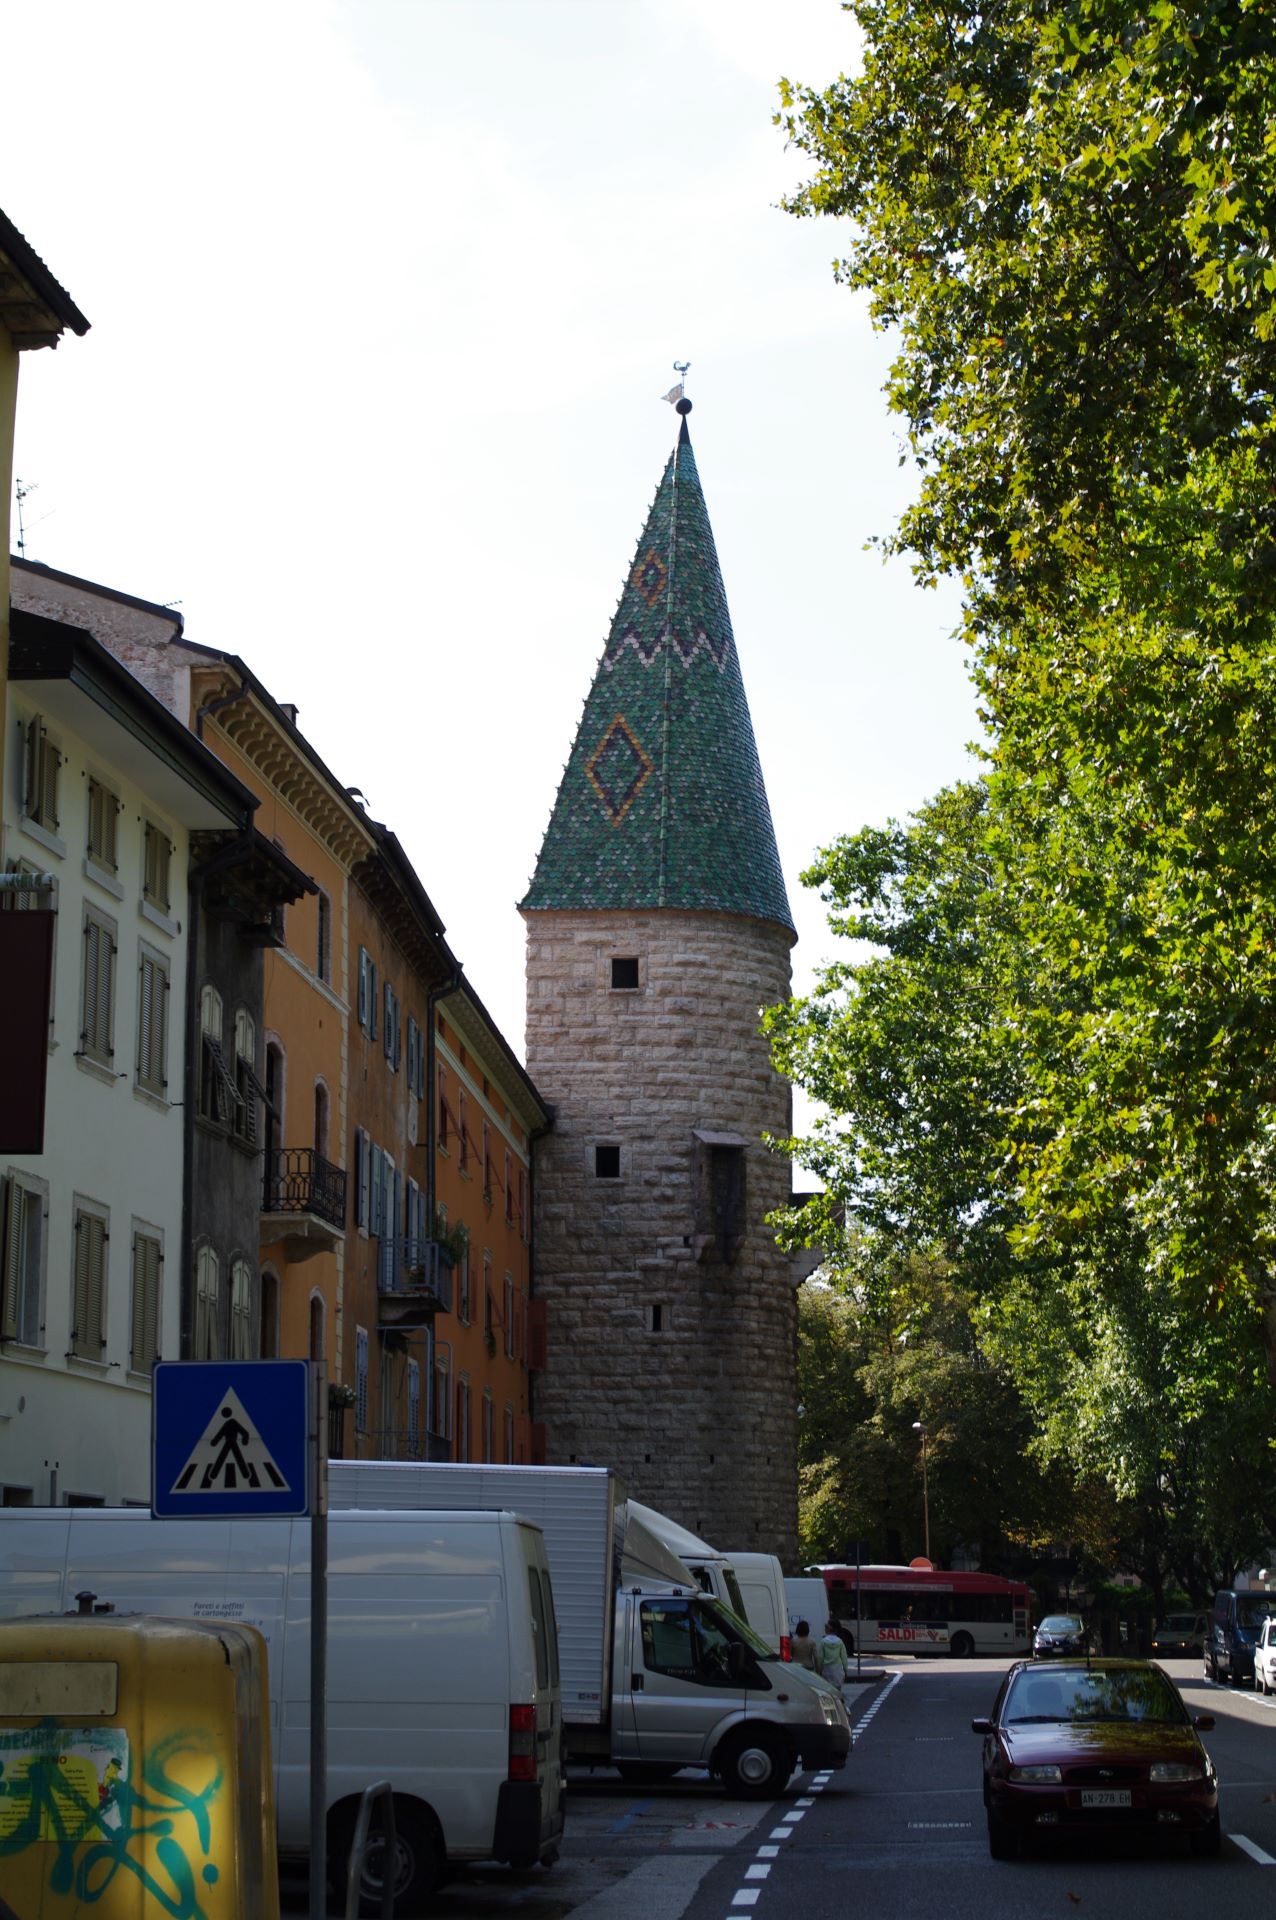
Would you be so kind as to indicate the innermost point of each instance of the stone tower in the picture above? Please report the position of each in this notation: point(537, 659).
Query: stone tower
point(657, 928)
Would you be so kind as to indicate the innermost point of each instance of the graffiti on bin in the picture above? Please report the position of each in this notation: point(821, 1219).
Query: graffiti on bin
point(69, 1788)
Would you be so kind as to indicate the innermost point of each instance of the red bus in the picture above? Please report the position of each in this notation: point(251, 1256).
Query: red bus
point(923, 1610)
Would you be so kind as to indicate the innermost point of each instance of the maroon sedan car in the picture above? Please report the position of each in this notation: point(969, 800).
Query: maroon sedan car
point(1095, 1746)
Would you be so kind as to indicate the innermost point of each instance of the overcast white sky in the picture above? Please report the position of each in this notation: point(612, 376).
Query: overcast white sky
point(384, 296)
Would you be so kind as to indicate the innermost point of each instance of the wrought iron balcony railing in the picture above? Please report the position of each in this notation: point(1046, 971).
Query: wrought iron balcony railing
point(299, 1180)
point(415, 1269)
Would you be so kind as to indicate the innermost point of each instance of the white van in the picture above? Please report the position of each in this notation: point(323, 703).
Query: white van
point(807, 1598)
point(713, 1572)
point(761, 1583)
point(442, 1661)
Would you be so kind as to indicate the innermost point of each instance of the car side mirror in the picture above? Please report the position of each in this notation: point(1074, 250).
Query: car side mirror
point(981, 1726)
point(1203, 1722)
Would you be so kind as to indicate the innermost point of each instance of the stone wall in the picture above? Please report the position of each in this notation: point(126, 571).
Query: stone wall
point(694, 1404)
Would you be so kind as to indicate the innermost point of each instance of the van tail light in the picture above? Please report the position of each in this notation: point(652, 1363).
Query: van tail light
point(522, 1743)
point(786, 1647)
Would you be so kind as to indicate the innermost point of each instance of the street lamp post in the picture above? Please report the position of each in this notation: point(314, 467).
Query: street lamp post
point(919, 1426)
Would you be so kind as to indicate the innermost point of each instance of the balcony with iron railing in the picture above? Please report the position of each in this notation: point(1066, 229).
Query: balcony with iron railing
point(303, 1202)
point(414, 1282)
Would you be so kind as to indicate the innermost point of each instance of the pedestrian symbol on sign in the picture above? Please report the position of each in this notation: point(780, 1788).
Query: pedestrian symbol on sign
point(230, 1455)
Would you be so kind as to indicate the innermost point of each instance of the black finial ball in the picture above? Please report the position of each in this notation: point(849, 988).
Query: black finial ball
point(683, 406)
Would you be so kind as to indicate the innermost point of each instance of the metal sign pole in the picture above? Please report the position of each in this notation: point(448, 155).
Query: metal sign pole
point(318, 1641)
point(859, 1607)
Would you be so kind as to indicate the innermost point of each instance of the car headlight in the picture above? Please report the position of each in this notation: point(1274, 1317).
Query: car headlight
point(1036, 1776)
point(829, 1708)
point(1163, 1770)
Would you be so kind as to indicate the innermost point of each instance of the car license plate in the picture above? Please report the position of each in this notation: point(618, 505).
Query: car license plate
point(1105, 1797)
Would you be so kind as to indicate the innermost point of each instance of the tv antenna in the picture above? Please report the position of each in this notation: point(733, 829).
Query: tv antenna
point(22, 489)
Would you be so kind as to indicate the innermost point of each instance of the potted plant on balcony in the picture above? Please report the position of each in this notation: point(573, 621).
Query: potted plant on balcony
point(340, 1395)
point(451, 1241)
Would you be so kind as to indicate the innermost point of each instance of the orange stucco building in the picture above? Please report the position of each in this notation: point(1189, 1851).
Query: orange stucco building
point(391, 1120)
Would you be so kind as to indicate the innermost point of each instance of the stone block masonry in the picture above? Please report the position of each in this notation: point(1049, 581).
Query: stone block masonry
point(671, 1312)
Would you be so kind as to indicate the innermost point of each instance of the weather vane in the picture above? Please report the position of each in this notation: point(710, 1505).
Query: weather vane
point(675, 394)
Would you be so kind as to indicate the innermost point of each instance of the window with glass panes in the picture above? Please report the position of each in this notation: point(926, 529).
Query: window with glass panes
point(206, 1337)
point(103, 810)
point(243, 1314)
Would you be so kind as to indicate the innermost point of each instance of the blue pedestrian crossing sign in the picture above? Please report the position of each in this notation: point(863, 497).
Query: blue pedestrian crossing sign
point(230, 1439)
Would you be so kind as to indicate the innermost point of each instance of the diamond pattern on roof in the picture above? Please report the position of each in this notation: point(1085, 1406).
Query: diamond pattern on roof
point(662, 803)
point(618, 769)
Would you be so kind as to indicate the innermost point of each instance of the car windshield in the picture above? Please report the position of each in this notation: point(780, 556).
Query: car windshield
point(1178, 1623)
point(1060, 1623)
point(1252, 1610)
point(1092, 1693)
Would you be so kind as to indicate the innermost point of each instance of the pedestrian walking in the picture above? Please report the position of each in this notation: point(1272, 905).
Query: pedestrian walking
point(803, 1647)
point(832, 1655)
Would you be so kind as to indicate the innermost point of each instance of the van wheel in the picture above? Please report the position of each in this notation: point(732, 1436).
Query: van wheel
point(962, 1646)
point(419, 1859)
point(755, 1763)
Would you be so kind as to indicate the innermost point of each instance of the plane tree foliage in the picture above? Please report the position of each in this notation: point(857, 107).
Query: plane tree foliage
point(1070, 1388)
point(1062, 212)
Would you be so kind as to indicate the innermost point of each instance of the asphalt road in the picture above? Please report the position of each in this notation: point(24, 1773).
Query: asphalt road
point(900, 1833)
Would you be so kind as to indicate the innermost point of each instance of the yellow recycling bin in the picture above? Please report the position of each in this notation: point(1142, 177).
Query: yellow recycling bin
point(135, 1775)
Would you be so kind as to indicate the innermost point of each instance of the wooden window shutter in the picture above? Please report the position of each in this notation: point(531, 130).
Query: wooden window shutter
point(13, 1236)
point(31, 771)
point(99, 984)
point(50, 762)
point(90, 1278)
point(144, 1340)
point(153, 1024)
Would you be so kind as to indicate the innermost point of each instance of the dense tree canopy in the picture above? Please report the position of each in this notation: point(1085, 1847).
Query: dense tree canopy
point(1070, 1389)
point(1064, 213)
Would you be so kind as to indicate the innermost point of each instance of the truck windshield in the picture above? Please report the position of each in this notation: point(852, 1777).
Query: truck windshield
point(734, 1627)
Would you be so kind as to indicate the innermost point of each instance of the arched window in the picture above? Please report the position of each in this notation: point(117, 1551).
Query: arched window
point(215, 1099)
point(275, 1100)
point(245, 1123)
point(208, 1315)
point(243, 1317)
point(268, 1341)
point(318, 1325)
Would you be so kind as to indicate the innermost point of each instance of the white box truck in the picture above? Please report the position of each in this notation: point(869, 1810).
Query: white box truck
point(442, 1669)
point(661, 1675)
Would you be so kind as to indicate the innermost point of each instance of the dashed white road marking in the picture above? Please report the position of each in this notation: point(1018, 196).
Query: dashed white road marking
point(760, 1868)
point(1254, 1851)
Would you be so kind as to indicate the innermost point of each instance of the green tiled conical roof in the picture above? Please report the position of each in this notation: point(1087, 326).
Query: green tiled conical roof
point(663, 803)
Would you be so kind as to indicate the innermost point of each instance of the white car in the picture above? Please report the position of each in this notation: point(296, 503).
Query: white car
point(1265, 1657)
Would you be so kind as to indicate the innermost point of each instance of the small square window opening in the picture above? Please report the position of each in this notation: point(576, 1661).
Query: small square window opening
point(624, 974)
point(607, 1162)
